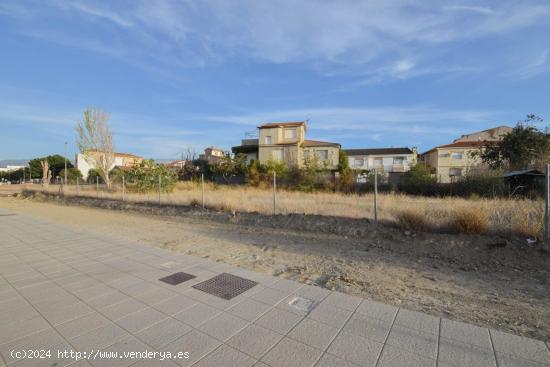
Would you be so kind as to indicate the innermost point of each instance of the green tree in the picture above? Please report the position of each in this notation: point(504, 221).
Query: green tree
point(228, 167)
point(420, 174)
point(72, 175)
point(147, 175)
point(524, 147)
point(56, 164)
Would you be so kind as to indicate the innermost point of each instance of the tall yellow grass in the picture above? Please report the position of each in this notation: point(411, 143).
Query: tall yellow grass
point(505, 216)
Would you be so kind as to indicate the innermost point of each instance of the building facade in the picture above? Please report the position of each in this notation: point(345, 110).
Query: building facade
point(212, 155)
point(286, 142)
point(392, 162)
point(123, 160)
point(452, 161)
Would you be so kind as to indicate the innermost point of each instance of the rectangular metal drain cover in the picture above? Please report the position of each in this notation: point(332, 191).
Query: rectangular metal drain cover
point(225, 285)
point(177, 278)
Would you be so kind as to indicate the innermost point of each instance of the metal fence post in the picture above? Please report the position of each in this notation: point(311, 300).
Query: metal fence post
point(77, 188)
point(159, 188)
point(97, 186)
point(202, 189)
point(547, 203)
point(375, 196)
point(274, 193)
point(123, 188)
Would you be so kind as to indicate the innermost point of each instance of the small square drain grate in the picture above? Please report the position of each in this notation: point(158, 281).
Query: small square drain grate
point(225, 285)
point(177, 278)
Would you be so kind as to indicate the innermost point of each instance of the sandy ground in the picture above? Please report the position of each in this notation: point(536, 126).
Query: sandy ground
point(489, 281)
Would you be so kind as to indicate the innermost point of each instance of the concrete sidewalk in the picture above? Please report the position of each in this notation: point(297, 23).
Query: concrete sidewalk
point(63, 290)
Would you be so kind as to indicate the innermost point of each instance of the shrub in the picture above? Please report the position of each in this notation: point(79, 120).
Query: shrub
point(467, 220)
point(412, 220)
point(148, 175)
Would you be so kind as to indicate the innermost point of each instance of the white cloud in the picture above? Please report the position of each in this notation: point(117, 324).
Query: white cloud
point(326, 36)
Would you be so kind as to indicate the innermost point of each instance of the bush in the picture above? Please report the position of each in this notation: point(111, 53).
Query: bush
point(466, 220)
point(147, 175)
point(412, 220)
point(72, 175)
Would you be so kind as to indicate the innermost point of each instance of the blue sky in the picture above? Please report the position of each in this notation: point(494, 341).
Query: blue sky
point(178, 75)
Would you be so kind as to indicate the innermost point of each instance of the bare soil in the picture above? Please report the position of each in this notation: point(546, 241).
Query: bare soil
point(484, 280)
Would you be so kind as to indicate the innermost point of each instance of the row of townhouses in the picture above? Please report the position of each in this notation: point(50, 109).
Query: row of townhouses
point(286, 141)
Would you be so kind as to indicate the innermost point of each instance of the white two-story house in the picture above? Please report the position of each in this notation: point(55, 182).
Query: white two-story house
point(392, 162)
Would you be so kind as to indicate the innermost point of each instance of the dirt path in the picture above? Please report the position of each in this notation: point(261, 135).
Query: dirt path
point(479, 279)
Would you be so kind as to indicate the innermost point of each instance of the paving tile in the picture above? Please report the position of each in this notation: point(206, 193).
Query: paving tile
point(414, 341)
point(466, 333)
point(156, 295)
point(163, 332)
point(342, 300)
point(249, 309)
point(65, 313)
point(278, 320)
point(44, 339)
point(197, 314)
point(328, 360)
point(418, 320)
point(175, 305)
point(196, 343)
point(19, 329)
point(377, 310)
point(506, 360)
point(313, 333)
point(226, 356)
point(82, 325)
point(54, 359)
point(368, 327)
point(290, 353)
point(285, 285)
point(223, 326)
point(328, 314)
point(99, 338)
point(519, 346)
point(140, 320)
point(393, 356)
point(154, 362)
point(254, 340)
point(108, 299)
point(269, 296)
point(122, 309)
point(458, 354)
point(355, 349)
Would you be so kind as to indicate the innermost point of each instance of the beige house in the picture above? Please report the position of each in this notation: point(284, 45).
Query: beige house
point(450, 162)
point(212, 155)
point(285, 142)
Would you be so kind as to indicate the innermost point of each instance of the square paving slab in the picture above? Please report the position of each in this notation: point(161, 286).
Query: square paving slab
point(62, 289)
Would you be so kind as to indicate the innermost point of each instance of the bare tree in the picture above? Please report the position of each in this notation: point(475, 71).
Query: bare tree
point(46, 173)
point(95, 141)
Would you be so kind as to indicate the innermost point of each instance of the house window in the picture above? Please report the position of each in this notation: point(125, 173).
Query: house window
point(321, 155)
point(455, 172)
point(398, 161)
point(277, 154)
point(268, 140)
point(290, 134)
point(456, 156)
point(358, 162)
point(377, 162)
point(444, 155)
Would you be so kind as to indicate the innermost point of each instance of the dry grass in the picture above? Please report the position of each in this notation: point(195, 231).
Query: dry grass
point(521, 217)
point(412, 220)
point(469, 220)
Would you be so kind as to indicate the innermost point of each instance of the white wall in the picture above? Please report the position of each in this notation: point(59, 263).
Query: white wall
point(387, 161)
point(84, 166)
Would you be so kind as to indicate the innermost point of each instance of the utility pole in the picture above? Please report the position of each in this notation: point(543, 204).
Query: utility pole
point(274, 193)
point(375, 196)
point(65, 180)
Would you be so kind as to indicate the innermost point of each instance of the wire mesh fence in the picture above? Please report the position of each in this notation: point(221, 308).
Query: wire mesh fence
point(509, 215)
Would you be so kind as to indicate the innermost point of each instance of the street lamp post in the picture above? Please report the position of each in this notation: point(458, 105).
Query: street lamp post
point(65, 178)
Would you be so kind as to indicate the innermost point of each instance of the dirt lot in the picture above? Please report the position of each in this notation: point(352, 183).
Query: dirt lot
point(485, 280)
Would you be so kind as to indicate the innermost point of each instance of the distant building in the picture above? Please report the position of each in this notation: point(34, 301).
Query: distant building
point(393, 162)
point(451, 161)
point(11, 168)
point(122, 160)
point(248, 147)
point(212, 155)
point(493, 134)
point(285, 142)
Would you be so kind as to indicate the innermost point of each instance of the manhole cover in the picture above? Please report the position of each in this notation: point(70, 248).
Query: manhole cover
point(177, 278)
point(225, 285)
point(301, 304)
